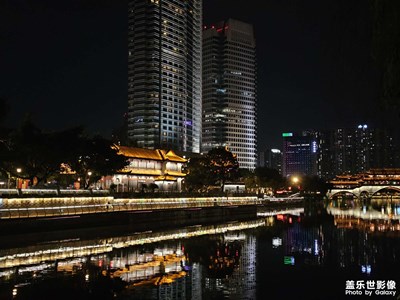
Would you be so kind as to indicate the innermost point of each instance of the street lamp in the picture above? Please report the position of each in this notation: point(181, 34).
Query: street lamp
point(296, 182)
point(89, 174)
point(8, 179)
point(19, 170)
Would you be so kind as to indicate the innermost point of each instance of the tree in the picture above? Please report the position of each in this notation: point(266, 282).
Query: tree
point(215, 168)
point(198, 175)
point(34, 155)
point(38, 156)
point(153, 187)
point(314, 184)
point(268, 177)
point(96, 157)
point(249, 178)
point(223, 165)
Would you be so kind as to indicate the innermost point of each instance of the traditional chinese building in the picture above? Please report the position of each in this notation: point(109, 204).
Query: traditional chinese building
point(148, 167)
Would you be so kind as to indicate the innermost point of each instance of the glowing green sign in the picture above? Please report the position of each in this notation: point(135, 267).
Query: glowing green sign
point(288, 260)
point(286, 134)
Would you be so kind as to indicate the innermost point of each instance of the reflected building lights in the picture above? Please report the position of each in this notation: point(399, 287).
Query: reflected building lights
point(71, 250)
point(162, 265)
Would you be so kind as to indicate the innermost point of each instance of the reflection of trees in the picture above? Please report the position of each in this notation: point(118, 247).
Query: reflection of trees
point(220, 257)
point(224, 260)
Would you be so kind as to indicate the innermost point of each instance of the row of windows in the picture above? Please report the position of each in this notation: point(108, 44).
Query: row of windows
point(212, 110)
point(231, 124)
point(234, 100)
point(170, 134)
point(234, 45)
point(238, 85)
point(144, 164)
point(174, 101)
point(237, 64)
point(170, 118)
point(172, 83)
point(227, 78)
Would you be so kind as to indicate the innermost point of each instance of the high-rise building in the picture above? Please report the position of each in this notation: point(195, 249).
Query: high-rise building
point(355, 150)
point(164, 74)
point(299, 154)
point(271, 158)
point(229, 90)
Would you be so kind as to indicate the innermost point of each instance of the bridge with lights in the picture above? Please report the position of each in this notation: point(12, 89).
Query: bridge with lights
point(375, 182)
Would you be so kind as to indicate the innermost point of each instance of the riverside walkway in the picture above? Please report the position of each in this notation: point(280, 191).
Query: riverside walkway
point(16, 204)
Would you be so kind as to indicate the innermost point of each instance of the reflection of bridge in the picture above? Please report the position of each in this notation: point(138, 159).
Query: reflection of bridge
point(363, 214)
point(366, 185)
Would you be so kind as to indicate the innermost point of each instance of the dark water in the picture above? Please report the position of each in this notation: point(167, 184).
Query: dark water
point(317, 252)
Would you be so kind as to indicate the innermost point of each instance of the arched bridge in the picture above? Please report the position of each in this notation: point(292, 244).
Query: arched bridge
point(365, 191)
point(366, 185)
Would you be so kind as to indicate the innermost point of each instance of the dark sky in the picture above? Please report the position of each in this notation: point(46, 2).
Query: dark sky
point(65, 62)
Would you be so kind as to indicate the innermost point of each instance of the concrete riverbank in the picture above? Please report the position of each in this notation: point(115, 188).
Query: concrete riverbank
point(137, 220)
point(46, 213)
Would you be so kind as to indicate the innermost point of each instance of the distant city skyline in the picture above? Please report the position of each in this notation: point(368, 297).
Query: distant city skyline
point(65, 62)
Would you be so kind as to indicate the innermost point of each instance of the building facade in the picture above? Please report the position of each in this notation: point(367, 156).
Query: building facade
point(229, 90)
point(299, 155)
point(164, 74)
point(356, 150)
point(147, 167)
point(271, 158)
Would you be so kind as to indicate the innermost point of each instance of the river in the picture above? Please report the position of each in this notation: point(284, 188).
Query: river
point(318, 250)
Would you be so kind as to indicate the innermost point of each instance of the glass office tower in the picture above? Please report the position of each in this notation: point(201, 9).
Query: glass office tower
point(164, 74)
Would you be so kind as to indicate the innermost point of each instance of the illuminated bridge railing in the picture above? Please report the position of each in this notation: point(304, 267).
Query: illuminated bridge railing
point(13, 208)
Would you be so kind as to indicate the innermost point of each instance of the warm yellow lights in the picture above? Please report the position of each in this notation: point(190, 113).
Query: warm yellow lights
point(74, 250)
point(57, 206)
point(295, 179)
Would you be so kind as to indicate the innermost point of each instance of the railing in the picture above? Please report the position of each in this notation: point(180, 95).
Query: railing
point(95, 192)
point(13, 208)
point(51, 192)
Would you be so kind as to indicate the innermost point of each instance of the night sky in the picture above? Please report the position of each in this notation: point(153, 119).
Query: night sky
point(65, 62)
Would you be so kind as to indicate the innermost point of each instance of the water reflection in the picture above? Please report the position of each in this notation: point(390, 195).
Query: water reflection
point(283, 255)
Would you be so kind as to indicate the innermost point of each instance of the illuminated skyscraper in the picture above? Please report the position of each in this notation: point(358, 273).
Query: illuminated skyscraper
point(299, 154)
point(271, 158)
point(164, 74)
point(229, 90)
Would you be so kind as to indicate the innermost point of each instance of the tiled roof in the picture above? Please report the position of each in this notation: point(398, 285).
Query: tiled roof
point(174, 173)
point(166, 178)
point(134, 171)
point(171, 156)
point(156, 154)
